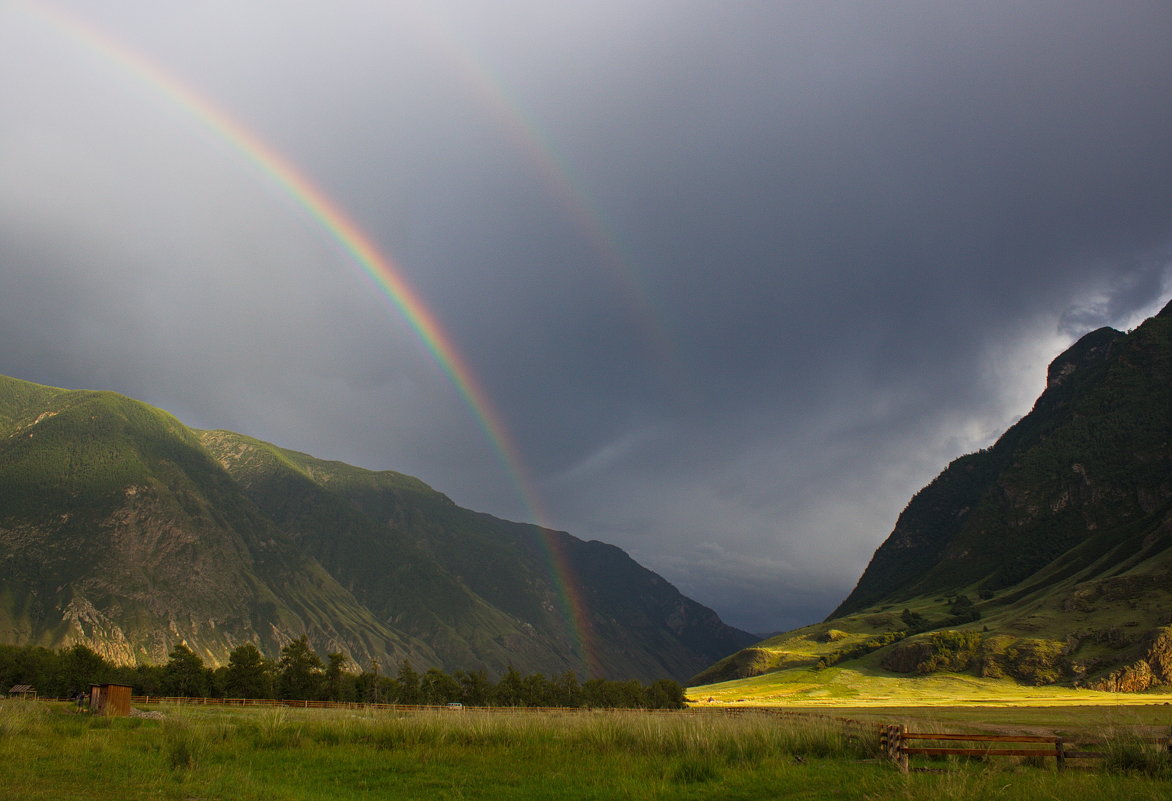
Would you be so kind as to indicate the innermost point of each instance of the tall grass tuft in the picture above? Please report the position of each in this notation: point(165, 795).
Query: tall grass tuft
point(694, 770)
point(1130, 755)
point(184, 744)
point(19, 717)
point(274, 728)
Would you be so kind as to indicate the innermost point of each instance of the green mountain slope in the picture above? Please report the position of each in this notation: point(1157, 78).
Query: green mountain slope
point(1046, 557)
point(125, 530)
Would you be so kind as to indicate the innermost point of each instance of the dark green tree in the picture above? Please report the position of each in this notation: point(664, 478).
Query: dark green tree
point(184, 673)
point(299, 672)
point(249, 674)
point(78, 668)
point(536, 690)
point(146, 679)
point(567, 690)
point(596, 694)
point(29, 665)
point(407, 690)
point(475, 688)
point(368, 686)
point(666, 694)
point(438, 687)
point(510, 690)
point(339, 684)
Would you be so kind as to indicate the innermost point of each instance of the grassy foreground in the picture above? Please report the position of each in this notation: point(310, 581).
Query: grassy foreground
point(284, 754)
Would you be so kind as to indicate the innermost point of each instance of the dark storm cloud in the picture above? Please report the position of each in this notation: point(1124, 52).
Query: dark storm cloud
point(739, 280)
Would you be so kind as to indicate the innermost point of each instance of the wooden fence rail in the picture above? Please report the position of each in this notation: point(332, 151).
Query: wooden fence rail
point(893, 741)
point(303, 704)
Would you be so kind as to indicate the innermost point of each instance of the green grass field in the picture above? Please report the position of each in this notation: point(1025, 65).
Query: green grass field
point(205, 753)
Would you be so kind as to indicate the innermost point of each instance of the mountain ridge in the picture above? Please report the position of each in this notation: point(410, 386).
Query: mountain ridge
point(1046, 557)
point(125, 530)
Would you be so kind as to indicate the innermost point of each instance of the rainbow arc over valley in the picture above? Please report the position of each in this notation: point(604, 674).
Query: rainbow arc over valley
point(386, 274)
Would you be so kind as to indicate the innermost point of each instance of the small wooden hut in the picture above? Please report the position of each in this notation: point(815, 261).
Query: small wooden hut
point(25, 691)
point(112, 700)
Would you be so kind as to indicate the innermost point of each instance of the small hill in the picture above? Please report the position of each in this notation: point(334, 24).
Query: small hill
point(123, 529)
point(1046, 558)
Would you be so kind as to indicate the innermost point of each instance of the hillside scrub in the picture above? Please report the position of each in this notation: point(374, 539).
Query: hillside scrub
point(1034, 662)
point(1029, 661)
point(861, 649)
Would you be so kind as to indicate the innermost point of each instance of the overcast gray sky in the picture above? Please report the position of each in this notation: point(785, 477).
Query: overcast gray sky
point(738, 278)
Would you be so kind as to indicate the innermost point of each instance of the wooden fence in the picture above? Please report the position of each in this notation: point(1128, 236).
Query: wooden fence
point(853, 728)
point(302, 704)
point(893, 741)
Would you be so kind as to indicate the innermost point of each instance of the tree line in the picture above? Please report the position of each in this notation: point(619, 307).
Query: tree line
point(300, 674)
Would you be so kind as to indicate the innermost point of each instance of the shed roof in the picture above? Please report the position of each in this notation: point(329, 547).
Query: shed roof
point(22, 688)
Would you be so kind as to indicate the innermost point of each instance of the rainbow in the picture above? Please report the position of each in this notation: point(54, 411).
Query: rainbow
point(523, 129)
point(379, 267)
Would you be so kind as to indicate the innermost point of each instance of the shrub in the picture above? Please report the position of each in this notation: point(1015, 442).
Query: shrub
point(913, 621)
point(963, 611)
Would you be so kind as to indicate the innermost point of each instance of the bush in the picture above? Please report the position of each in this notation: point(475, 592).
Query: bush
point(914, 621)
point(963, 611)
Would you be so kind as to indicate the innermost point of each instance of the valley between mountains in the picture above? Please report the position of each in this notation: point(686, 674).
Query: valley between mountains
point(1044, 559)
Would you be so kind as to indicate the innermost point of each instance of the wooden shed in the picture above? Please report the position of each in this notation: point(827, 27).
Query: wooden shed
point(112, 700)
point(23, 691)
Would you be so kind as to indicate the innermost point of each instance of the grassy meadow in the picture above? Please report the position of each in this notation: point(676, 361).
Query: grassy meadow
point(281, 754)
point(870, 686)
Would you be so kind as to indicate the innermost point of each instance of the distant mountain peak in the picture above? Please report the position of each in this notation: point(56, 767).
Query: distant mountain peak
point(1091, 349)
point(1046, 557)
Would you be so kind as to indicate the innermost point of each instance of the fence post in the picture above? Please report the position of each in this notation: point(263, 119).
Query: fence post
point(900, 747)
point(892, 740)
point(1060, 753)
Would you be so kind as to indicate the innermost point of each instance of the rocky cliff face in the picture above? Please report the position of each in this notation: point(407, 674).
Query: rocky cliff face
point(1154, 670)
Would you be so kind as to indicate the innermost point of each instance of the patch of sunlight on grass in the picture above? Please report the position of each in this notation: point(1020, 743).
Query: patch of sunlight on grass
point(846, 687)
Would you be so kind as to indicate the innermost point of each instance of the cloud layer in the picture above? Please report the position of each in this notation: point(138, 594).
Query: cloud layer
point(738, 279)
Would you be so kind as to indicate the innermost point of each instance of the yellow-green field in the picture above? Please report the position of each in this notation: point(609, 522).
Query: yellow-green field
point(845, 687)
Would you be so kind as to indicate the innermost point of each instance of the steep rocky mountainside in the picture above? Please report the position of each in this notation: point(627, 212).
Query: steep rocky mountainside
point(125, 530)
point(1046, 557)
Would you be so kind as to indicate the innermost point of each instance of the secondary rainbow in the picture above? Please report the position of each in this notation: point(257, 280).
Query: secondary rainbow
point(376, 265)
point(526, 133)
